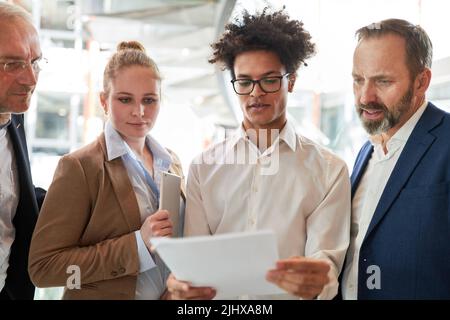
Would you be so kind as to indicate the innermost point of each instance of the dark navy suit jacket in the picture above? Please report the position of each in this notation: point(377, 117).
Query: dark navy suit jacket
point(18, 284)
point(409, 235)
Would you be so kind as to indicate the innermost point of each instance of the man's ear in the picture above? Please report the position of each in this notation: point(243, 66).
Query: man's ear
point(291, 82)
point(422, 82)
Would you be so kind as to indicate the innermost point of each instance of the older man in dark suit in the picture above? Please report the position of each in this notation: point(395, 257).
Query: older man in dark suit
point(400, 232)
point(20, 62)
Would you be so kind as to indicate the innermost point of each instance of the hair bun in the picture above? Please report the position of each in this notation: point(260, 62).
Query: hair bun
point(130, 45)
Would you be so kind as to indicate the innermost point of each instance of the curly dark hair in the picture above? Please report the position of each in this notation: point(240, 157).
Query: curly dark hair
point(274, 32)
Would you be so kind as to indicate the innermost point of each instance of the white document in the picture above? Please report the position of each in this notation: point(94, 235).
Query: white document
point(234, 264)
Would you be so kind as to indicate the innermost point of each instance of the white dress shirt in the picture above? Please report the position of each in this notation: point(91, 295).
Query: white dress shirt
point(296, 188)
point(368, 194)
point(9, 199)
point(151, 281)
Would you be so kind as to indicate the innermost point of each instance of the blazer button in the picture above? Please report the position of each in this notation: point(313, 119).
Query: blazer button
point(114, 273)
point(122, 270)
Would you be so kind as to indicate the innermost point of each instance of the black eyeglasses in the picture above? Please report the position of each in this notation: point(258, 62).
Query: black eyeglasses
point(267, 84)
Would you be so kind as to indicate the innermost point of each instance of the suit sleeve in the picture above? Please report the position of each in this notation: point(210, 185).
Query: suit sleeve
point(40, 196)
point(56, 245)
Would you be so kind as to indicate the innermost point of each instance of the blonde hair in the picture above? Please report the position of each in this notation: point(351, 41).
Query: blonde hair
point(129, 53)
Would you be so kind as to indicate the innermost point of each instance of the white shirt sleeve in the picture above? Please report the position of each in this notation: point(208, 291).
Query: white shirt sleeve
point(146, 261)
point(328, 226)
point(196, 222)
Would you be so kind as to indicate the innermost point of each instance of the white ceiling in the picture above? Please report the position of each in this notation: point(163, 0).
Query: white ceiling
point(177, 35)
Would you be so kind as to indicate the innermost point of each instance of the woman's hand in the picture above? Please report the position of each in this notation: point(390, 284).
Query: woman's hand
point(156, 225)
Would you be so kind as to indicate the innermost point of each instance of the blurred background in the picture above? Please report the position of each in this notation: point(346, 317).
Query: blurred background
point(198, 105)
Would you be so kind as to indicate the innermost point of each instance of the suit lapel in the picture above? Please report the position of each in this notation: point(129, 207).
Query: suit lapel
point(18, 283)
point(360, 165)
point(416, 146)
point(122, 188)
point(27, 195)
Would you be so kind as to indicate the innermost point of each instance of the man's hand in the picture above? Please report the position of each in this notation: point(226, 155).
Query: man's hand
point(300, 276)
point(182, 290)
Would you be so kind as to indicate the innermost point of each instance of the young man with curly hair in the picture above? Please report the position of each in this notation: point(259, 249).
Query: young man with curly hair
point(305, 200)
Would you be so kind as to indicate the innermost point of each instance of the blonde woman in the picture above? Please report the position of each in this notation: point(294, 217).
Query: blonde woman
point(102, 207)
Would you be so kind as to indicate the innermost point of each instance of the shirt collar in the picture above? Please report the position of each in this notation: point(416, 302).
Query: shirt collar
point(287, 134)
point(117, 147)
point(399, 138)
point(5, 125)
point(238, 135)
point(405, 131)
point(161, 156)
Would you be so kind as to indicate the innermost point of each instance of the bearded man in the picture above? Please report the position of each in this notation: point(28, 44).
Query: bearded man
point(400, 231)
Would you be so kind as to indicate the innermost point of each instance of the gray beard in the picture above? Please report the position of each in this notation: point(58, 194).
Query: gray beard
point(390, 119)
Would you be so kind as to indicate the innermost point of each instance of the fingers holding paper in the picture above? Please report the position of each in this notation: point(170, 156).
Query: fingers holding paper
point(300, 276)
point(182, 290)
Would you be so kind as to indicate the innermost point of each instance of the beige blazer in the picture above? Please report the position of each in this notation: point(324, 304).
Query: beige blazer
point(88, 220)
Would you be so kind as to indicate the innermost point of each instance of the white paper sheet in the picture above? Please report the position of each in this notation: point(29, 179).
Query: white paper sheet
point(234, 264)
